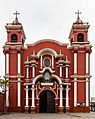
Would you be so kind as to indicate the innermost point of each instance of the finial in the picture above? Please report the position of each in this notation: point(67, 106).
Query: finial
point(16, 13)
point(27, 58)
point(33, 52)
point(60, 52)
point(78, 13)
point(66, 58)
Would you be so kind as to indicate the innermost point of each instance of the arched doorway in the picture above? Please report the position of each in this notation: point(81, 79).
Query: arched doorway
point(47, 102)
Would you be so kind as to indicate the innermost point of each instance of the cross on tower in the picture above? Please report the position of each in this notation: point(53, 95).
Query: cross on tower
point(16, 13)
point(78, 13)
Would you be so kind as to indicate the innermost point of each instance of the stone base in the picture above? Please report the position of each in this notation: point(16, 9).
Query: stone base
point(27, 109)
point(33, 109)
point(67, 109)
point(60, 109)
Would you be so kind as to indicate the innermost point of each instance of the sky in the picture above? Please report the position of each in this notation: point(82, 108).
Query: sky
point(48, 19)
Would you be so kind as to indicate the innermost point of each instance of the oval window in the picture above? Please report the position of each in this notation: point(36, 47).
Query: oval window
point(47, 62)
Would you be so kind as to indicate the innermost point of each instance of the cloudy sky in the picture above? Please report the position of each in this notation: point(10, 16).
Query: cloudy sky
point(51, 19)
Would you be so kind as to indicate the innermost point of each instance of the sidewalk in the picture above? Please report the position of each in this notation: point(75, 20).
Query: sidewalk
point(48, 116)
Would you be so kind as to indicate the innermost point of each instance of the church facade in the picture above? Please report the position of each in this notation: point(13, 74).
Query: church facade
point(48, 76)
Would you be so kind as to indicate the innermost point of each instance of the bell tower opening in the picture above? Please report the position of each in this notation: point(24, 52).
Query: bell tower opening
point(47, 102)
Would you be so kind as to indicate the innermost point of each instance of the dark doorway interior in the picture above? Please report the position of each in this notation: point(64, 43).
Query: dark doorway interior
point(47, 102)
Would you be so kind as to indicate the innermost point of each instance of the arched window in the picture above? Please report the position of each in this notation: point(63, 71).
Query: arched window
point(14, 38)
point(80, 37)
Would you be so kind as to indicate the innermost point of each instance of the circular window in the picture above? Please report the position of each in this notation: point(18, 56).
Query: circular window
point(47, 62)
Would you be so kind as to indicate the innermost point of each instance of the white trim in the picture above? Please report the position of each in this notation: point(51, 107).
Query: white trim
point(46, 51)
point(53, 75)
point(19, 63)
point(75, 62)
point(46, 84)
point(66, 72)
point(67, 96)
point(41, 61)
point(61, 96)
point(87, 59)
point(7, 95)
point(7, 63)
point(60, 71)
point(27, 72)
point(33, 71)
point(19, 93)
point(58, 78)
point(75, 92)
point(87, 93)
point(48, 40)
point(52, 61)
point(26, 96)
point(33, 96)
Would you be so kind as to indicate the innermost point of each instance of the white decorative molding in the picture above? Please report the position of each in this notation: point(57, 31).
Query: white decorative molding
point(67, 96)
point(47, 68)
point(36, 78)
point(7, 63)
point(75, 92)
point(33, 96)
point(87, 92)
point(47, 51)
point(60, 71)
point(19, 63)
point(41, 61)
point(46, 84)
point(52, 61)
point(75, 63)
point(66, 72)
point(87, 62)
point(33, 71)
point(26, 96)
point(19, 93)
point(48, 40)
point(7, 95)
point(80, 76)
point(61, 96)
point(27, 72)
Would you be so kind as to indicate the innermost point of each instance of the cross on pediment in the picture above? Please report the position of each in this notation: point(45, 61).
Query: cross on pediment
point(16, 13)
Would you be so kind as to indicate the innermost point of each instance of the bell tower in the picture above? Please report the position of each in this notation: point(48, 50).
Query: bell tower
point(13, 51)
point(15, 32)
point(79, 31)
point(81, 49)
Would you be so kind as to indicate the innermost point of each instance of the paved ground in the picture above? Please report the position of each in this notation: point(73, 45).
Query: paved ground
point(48, 116)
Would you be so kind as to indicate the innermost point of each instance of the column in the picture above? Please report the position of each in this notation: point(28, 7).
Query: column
point(52, 61)
point(26, 96)
point(75, 79)
point(61, 96)
point(7, 63)
point(67, 72)
point(60, 70)
point(27, 72)
point(67, 96)
point(87, 84)
point(19, 84)
point(7, 73)
point(33, 71)
point(33, 96)
point(7, 95)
